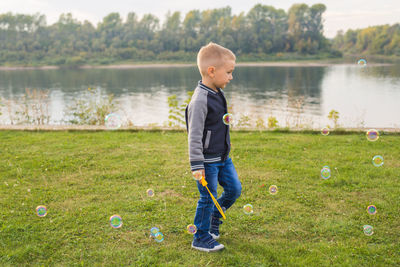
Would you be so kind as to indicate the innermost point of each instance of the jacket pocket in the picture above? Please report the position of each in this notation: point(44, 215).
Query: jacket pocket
point(207, 141)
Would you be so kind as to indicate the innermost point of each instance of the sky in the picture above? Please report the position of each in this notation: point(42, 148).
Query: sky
point(340, 14)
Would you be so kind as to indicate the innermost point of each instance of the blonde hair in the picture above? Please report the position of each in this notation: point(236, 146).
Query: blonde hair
point(213, 55)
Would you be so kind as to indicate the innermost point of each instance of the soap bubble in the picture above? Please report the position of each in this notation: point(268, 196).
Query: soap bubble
point(377, 161)
point(371, 209)
point(41, 211)
point(116, 221)
point(154, 231)
point(197, 175)
point(248, 209)
point(159, 237)
point(192, 229)
point(368, 230)
point(362, 62)
point(228, 119)
point(150, 192)
point(273, 189)
point(372, 135)
point(113, 121)
point(325, 172)
point(324, 131)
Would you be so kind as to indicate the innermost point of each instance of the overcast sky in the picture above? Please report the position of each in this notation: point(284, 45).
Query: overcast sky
point(340, 14)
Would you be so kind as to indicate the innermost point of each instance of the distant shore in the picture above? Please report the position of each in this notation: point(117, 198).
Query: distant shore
point(170, 65)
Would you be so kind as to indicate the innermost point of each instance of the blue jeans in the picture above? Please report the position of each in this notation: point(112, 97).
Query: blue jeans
point(225, 174)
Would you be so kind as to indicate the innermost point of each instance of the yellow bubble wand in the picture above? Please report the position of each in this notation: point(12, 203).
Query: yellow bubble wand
point(204, 183)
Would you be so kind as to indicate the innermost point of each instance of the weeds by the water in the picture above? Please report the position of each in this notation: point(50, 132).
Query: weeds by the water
point(334, 116)
point(92, 108)
point(176, 116)
point(30, 108)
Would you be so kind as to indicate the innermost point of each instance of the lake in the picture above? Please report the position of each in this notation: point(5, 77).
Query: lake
point(297, 96)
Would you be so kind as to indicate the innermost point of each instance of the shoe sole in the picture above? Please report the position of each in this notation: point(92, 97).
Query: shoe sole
point(217, 248)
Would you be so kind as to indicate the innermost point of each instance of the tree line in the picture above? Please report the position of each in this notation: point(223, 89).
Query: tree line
point(376, 40)
point(262, 31)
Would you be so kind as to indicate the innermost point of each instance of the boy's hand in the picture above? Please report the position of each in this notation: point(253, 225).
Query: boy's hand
point(198, 174)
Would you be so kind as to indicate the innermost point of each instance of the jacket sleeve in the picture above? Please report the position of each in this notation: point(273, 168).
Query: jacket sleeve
point(197, 113)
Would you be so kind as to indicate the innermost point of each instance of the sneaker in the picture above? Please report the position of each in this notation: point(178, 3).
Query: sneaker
point(215, 237)
point(214, 228)
point(207, 244)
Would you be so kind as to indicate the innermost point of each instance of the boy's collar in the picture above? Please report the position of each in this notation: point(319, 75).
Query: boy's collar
point(205, 87)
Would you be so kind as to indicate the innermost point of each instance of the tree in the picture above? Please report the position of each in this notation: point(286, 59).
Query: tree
point(269, 26)
point(110, 30)
point(170, 35)
point(191, 28)
point(305, 28)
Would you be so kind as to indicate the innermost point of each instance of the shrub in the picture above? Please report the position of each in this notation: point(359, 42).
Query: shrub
point(272, 122)
point(31, 108)
point(244, 121)
point(334, 116)
point(90, 109)
point(177, 112)
point(260, 124)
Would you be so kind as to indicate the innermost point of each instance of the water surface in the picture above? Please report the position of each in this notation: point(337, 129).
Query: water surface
point(295, 95)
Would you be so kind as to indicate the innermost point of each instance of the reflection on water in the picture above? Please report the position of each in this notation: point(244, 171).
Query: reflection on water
point(296, 96)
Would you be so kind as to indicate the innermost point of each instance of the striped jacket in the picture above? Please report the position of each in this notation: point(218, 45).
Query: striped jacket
point(208, 136)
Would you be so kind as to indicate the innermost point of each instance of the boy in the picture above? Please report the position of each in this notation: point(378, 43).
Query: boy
point(209, 143)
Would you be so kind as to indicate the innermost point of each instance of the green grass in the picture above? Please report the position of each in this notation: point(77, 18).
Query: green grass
point(85, 177)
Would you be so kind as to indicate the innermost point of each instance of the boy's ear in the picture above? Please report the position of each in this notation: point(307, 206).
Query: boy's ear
point(211, 71)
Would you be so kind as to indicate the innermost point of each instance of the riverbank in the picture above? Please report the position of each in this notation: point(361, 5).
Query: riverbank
point(159, 128)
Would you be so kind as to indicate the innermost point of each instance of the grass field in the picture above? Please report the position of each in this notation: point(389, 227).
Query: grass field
point(85, 177)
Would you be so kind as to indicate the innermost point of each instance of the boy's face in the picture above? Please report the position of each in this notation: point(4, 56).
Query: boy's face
point(223, 74)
